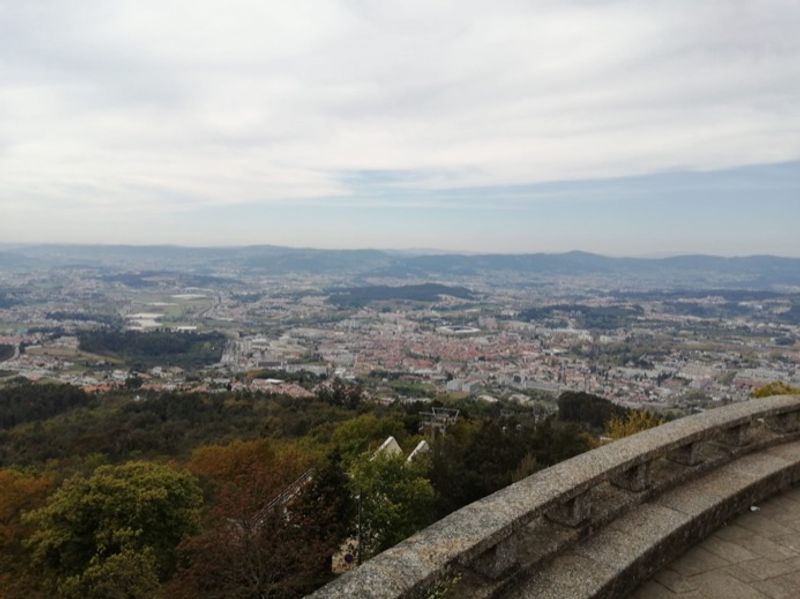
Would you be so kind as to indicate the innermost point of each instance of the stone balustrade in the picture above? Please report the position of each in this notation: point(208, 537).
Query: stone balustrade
point(493, 540)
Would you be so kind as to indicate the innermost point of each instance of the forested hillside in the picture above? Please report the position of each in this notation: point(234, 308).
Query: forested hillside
point(238, 494)
point(155, 348)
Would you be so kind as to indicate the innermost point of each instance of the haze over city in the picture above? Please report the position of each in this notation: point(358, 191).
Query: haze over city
point(615, 127)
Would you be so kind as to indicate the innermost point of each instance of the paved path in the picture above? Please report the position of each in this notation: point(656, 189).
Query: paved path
point(756, 556)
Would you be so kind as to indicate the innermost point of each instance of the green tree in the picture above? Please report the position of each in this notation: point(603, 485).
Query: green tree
point(134, 381)
point(395, 501)
point(22, 401)
point(355, 436)
point(120, 521)
point(476, 459)
point(328, 508)
point(128, 574)
point(587, 409)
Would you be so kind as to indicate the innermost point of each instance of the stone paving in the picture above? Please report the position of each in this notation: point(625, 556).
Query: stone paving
point(756, 556)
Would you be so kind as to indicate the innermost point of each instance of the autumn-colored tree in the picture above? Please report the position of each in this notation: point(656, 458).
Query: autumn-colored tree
point(633, 422)
point(776, 388)
point(274, 465)
point(116, 529)
point(19, 492)
point(267, 537)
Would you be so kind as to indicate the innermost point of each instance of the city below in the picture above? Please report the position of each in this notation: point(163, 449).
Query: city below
point(673, 335)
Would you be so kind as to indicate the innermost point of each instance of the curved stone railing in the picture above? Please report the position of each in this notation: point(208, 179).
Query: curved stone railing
point(568, 501)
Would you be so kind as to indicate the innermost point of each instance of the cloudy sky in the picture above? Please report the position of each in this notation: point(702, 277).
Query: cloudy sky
point(639, 128)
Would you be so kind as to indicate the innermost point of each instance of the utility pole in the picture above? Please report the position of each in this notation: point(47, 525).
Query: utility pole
point(438, 419)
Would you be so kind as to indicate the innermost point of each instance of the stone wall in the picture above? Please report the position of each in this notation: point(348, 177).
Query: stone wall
point(516, 540)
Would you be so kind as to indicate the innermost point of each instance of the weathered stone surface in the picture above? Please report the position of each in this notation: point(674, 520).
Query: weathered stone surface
point(500, 559)
point(651, 522)
point(672, 580)
point(784, 423)
point(574, 511)
point(569, 575)
point(473, 532)
point(720, 585)
point(688, 454)
point(613, 548)
point(636, 478)
point(736, 436)
point(634, 547)
point(697, 561)
point(656, 590)
point(747, 561)
point(730, 551)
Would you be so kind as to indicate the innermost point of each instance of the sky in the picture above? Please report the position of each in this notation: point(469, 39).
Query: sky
point(619, 127)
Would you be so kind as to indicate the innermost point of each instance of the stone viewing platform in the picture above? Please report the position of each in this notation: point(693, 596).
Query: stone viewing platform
point(755, 556)
point(604, 522)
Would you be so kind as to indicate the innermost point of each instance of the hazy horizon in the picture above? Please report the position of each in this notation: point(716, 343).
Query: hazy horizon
point(410, 251)
point(615, 127)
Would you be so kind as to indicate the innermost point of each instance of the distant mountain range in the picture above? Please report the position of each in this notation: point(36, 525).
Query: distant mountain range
point(751, 271)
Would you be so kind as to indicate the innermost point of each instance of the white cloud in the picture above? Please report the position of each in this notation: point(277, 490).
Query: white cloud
point(131, 105)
